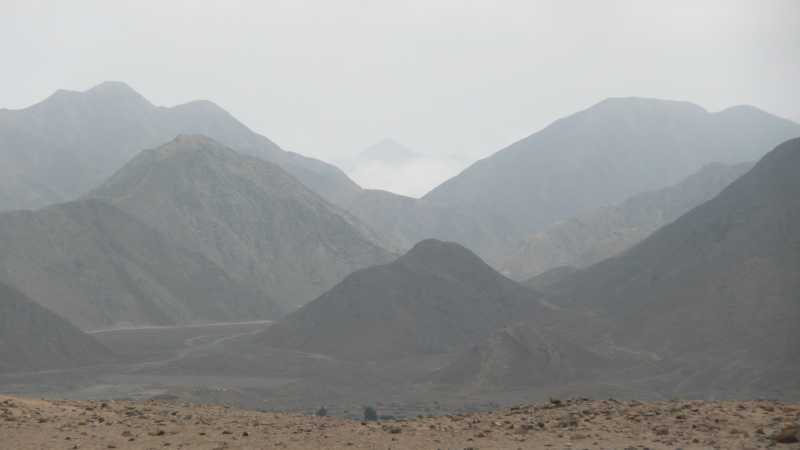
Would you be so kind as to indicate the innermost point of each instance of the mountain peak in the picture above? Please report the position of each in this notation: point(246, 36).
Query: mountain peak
point(116, 91)
point(435, 251)
point(192, 143)
point(644, 104)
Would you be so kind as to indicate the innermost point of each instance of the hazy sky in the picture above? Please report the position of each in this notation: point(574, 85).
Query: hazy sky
point(328, 78)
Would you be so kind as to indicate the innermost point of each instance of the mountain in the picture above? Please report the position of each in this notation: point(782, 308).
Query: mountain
point(599, 234)
point(33, 338)
point(718, 284)
point(403, 221)
point(521, 355)
point(246, 215)
point(543, 281)
point(601, 156)
point(99, 267)
point(64, 146)
point(437, 298)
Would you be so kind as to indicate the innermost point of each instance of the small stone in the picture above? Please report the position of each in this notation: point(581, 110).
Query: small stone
point(661, 430)
point(787, 435)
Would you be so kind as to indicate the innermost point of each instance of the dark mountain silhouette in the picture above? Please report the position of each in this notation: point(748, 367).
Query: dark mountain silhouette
point(599, 234)
point(33, 338)
point(439, 297)
point(99, 267)
point(601, 156)
point(246, 215)
point(719, 284)
point(64, 146)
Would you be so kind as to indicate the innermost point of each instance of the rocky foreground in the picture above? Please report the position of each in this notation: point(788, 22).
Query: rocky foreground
point(570, 424)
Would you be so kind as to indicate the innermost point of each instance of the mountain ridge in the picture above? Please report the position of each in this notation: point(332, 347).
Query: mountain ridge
point(437, 298)
point(33, 338)
point(71, 141)
point(247, 215)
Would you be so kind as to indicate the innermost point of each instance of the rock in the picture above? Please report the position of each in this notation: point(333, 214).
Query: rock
point(661, 430)
point(787, 435)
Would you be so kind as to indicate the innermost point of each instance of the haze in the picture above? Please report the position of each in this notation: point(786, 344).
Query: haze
point(465, 78)
point(406, 225)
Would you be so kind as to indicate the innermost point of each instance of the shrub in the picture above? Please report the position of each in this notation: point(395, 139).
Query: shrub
point(370, 414)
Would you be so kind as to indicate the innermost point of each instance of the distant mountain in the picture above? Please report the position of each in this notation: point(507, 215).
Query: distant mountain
point(248, 216)
point(61, 148)
point(601, 156)
point(543, 281)
point(437, 298)
point(99, 267)
point(599, 234)
point(719, 284)
point(33, 338)
point(403, 221)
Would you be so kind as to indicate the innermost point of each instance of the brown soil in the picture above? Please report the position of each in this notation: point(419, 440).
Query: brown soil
point(571, 424)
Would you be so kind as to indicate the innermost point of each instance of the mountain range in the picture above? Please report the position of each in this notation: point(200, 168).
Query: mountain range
point(64, 146)
point(439, 297)
point(598, 157)
point(602, 233)
point(687, 286)
point(719, 283)
point(100, 267)
point(248, 216)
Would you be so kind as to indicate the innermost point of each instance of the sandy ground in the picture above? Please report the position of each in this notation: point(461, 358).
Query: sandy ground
point(569, 424)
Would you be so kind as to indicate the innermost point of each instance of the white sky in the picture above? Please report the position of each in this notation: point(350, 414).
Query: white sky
point(444, 77)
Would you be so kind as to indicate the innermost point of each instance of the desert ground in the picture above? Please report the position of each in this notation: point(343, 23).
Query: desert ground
point(568, 424)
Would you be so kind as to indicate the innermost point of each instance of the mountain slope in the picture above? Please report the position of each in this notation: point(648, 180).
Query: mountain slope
point(99, 267)
point(599, 234)
point(439, 297)
point(403, 221)
point(246, 215)
point(521, 355)
point(720, 283)
point(600, 156)
point(33, 338)
point(69, 143)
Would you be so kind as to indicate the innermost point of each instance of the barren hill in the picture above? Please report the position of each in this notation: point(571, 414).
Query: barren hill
point(438, 297)
point(720, 283)
point(60, 148)
point(33, 338)
point(601, 156)
point(248, 216)
point(599, 234)
point(100, 267)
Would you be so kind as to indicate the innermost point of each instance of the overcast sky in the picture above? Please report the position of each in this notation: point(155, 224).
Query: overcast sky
point(328, 78)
